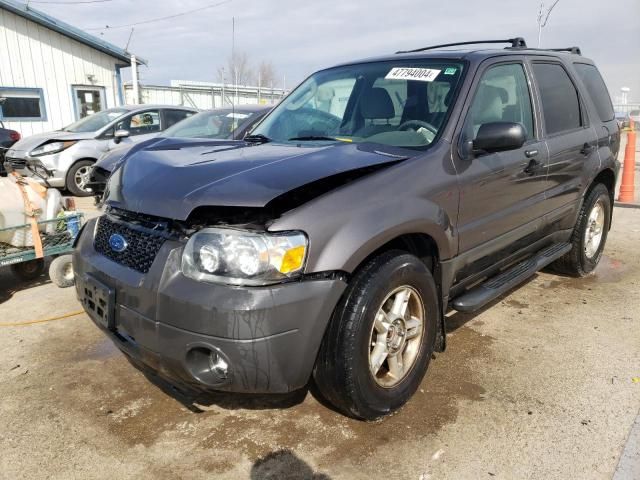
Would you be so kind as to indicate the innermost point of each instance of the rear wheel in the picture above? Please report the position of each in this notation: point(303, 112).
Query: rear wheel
point(589, 234)
point(78, 178)
point(378, 345)
point(29, 270)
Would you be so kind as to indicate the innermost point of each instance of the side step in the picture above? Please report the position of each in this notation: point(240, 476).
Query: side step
point(493, 287)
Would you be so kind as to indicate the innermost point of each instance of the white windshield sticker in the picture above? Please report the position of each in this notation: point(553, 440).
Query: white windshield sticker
point(240, 116)
point(418, 74)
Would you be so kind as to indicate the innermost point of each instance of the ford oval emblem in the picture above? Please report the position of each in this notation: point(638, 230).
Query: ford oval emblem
point(118, 243)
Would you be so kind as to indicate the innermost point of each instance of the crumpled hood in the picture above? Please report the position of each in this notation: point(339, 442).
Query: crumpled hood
point(29, 143)
point(170, 179)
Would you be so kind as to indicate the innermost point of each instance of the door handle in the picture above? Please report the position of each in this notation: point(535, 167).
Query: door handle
point(532, 167)
point(530, 153)
point(586, 149)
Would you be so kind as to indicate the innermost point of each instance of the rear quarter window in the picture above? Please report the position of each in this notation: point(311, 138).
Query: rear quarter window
point(596, 89)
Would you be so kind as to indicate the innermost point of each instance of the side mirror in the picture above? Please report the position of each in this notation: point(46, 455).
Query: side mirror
point(119, 135)
point(498, 136)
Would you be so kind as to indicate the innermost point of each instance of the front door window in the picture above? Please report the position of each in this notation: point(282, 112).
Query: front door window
point(502, 96)
point(142, 123)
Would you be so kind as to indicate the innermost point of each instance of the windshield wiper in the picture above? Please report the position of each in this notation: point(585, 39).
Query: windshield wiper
point(310, 138)
point(257, 138)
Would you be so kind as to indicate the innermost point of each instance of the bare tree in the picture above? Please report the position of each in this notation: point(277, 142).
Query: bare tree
point(237, 69)
point(240, 65)
point(266, 74)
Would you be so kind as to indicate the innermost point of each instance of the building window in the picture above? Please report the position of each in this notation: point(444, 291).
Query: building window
point(22, 104)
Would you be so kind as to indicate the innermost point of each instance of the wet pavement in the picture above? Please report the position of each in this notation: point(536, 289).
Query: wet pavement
point(540, 384)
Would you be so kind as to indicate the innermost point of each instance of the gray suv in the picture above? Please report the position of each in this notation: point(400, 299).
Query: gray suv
point(70, 152)
point(330, 243)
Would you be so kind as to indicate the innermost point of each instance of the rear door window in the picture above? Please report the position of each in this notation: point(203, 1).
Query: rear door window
point(171, 117)
point(560, 100)
point(594, 83)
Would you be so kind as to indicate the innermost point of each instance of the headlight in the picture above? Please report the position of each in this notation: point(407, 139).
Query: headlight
point(240, 257)
point(49, 148)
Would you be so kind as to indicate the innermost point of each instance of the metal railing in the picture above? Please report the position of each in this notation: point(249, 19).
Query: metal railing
point(626, 107)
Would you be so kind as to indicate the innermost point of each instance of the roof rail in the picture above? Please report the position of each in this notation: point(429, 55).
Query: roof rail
point(574, 50)
point(517, 42)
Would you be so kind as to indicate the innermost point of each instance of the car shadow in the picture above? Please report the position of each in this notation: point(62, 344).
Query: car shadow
point(197, 401)
point(284, 465)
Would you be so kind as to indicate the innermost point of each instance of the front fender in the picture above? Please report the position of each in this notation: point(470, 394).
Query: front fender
point(346, 225)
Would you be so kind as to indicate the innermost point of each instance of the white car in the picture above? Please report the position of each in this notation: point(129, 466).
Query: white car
point(70, 152)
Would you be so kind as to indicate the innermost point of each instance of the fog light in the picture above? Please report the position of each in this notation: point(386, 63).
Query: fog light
point(208, 365)
point(218, 365)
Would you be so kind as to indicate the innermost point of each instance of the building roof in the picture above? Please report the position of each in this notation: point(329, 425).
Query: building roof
point(70, 31)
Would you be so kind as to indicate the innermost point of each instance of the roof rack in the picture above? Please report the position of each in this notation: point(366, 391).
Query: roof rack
point(517, 42)
point(574, 50)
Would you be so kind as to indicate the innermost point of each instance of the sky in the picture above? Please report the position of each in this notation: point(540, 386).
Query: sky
point(300, 37)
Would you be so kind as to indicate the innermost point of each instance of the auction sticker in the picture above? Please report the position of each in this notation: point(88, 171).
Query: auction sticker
point(417, 74)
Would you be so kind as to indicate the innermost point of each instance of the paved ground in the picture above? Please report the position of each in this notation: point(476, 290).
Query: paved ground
point(539, 385)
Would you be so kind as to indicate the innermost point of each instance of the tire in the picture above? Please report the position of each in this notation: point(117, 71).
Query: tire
point(30, 270)
point(61, 271)
point(74, 184)
point(342, 372)
point(582, 260)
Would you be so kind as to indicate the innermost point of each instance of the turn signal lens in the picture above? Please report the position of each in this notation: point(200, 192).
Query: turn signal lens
point(293, 259)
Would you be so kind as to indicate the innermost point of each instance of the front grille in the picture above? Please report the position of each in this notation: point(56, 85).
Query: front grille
point(17, 163)
point(142, 245)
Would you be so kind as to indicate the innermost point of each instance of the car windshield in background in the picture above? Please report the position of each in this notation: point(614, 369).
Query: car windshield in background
point(402, 103)
point(95, 122)
point(217, 124)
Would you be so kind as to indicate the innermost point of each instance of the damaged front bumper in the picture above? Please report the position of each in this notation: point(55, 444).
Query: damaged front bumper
point(239, 339)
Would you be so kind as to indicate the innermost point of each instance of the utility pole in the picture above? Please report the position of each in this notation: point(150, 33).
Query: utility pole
point(233, 56)
point(543, 18)
point(223, 95)
point(134, 80)
point(259, 85)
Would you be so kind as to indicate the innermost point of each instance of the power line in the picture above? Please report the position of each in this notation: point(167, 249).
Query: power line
point(79, 2)
point(142, 22)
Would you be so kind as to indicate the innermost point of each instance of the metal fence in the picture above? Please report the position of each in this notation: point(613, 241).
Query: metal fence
point(204, 96)
point(625, 108)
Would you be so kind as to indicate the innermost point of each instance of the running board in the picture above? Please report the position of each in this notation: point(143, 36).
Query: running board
point(493, 287)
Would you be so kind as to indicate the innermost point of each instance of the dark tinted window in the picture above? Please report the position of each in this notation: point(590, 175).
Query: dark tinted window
point(592, 79)
point(171, 117)
point(21, 103)
point(560, 101)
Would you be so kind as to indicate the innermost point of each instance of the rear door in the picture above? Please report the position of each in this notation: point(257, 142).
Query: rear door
point(605, 125)
point(501, 194)
point(569, 138)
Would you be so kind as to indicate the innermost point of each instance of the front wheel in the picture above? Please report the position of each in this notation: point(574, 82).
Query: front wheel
point(379, 342)
point(78, 178)
point(589, 234)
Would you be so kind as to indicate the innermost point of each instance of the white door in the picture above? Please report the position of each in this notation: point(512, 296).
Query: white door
point(88, 100)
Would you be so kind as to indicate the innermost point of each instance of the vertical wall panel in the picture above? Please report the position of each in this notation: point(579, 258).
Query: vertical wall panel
point(33, 56)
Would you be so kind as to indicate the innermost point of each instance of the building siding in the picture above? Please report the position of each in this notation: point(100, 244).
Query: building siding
point(33, 56)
